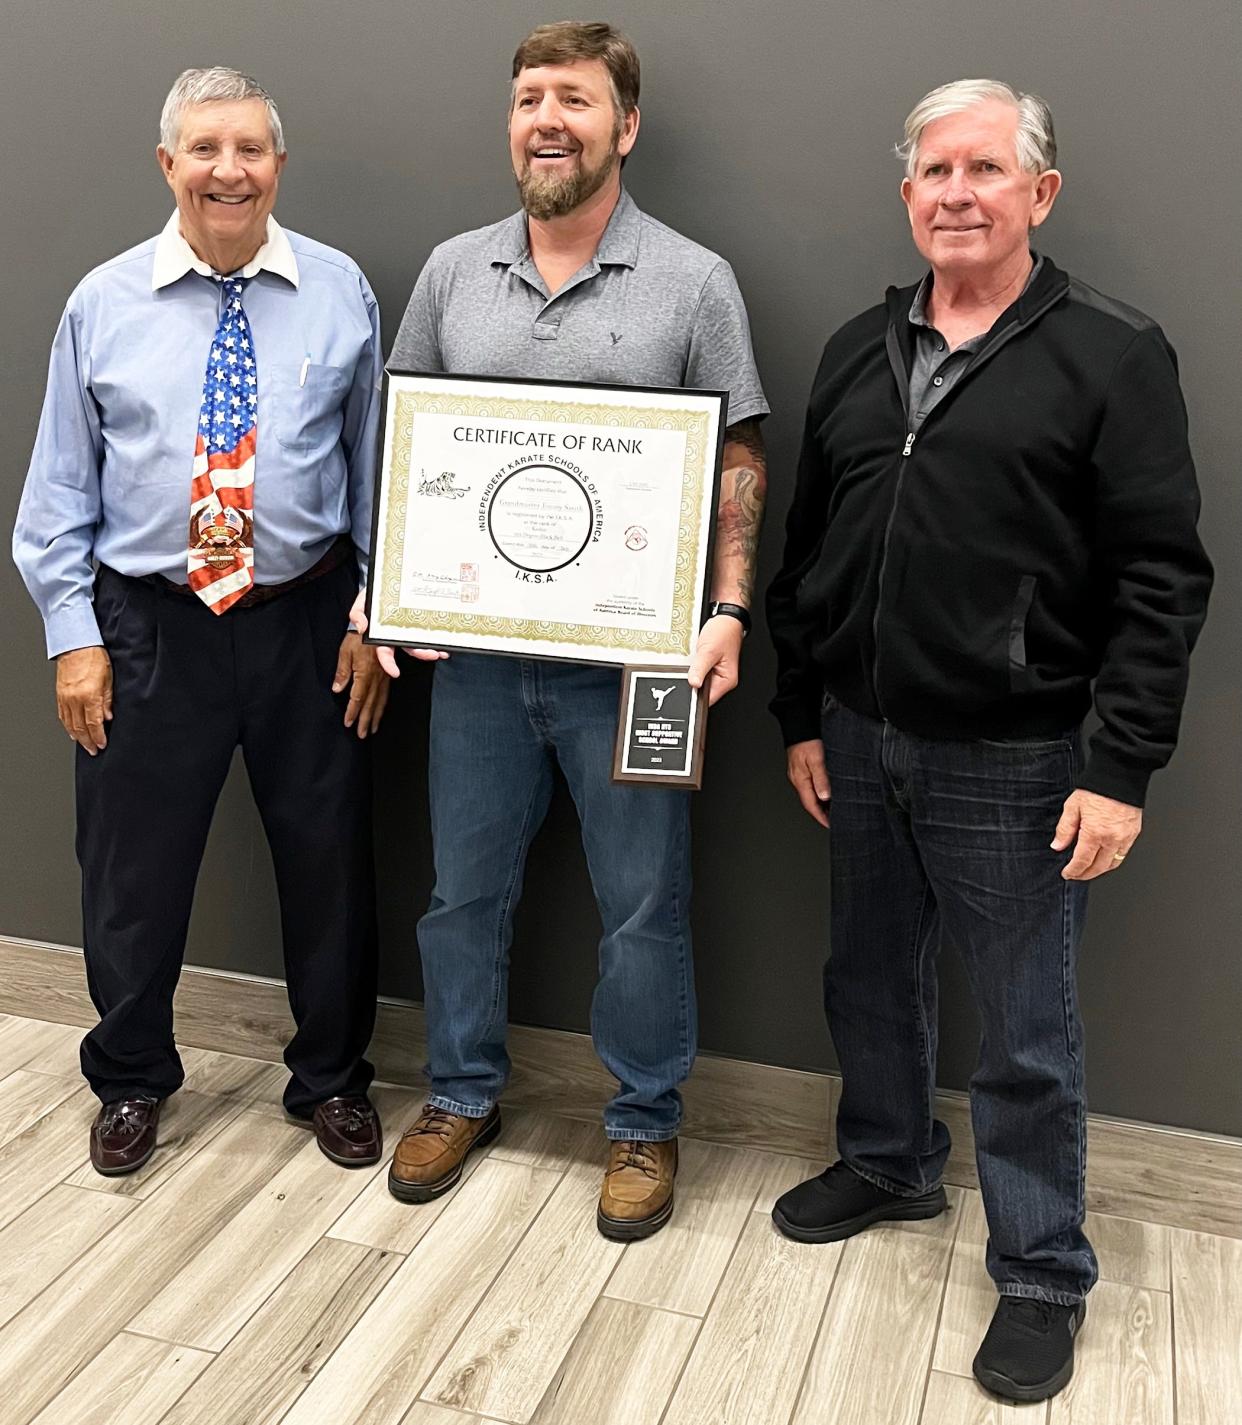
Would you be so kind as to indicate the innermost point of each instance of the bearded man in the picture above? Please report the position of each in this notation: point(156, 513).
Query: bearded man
point(578, 286)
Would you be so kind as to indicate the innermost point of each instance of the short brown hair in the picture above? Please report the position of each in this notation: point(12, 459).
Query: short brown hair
point(569, 40)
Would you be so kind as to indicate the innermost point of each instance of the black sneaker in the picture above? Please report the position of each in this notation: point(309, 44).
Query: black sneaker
point(1028, 1352)
point(839, 1203)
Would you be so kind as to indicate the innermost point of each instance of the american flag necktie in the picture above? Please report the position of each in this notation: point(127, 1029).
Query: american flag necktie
point(221, 551)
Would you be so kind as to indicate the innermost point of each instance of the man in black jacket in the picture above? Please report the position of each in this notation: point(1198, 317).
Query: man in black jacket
point(995, 510)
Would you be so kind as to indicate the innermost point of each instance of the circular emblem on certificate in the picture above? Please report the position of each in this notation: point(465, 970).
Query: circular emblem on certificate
point(539, 518)
point(636, 537)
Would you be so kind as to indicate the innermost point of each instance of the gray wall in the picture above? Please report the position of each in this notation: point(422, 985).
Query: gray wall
point(765, 135)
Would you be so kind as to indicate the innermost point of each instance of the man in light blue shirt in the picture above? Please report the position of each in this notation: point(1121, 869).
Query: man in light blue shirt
point(123, 511)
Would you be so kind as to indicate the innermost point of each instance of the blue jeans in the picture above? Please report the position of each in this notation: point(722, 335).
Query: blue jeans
point(949, 841)
point(497, 727)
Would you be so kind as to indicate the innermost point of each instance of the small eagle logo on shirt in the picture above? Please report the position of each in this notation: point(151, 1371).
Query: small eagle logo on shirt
point(616, 337)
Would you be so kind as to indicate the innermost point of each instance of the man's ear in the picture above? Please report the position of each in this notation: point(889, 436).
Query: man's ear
point(629, 132)
point(1047, 186)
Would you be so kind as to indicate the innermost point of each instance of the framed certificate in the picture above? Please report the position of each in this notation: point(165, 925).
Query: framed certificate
point(545, 519)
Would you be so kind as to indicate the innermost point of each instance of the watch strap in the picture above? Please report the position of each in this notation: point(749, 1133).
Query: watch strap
point(737, 611)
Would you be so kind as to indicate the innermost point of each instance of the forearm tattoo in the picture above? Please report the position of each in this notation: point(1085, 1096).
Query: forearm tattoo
point(749, 434)
point(740, 517)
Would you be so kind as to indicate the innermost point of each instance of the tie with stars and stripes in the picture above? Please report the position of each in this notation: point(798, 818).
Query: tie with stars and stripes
point(221, 552)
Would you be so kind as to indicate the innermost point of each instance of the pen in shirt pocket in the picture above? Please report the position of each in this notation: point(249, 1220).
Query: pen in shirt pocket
point(305, 367)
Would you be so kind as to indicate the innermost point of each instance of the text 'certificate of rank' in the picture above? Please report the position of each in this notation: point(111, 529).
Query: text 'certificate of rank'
point(545, 519)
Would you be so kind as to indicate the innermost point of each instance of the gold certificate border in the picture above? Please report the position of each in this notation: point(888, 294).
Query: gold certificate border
point(684, 616)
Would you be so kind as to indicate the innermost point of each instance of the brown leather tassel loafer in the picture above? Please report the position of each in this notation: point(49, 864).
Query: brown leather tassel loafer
point(637, 1197)
point(123, 1135)
point(433, 1149)
point(347, 1129)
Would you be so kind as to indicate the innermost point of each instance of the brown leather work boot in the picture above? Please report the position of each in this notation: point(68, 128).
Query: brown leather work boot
point(429, 1158)
point(637, 1197)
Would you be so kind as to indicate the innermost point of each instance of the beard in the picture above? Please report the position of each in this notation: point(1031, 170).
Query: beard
point(549, 195)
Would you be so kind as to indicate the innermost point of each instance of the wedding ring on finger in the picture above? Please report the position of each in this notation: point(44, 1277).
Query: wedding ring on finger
point(1118, 858)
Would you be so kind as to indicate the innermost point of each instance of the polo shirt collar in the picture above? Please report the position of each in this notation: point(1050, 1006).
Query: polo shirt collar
point(174, 257)
point(511, 244)
point(918, 308)
point(618, 247)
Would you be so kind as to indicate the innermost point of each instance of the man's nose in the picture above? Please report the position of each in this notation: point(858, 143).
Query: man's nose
point(228, 167)
point(548, 115)
point(957, 192)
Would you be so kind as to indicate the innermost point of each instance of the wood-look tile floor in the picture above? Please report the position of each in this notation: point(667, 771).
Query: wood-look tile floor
point(242, 1279)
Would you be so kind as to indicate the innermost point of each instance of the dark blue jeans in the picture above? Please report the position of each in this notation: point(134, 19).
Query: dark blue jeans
point(949, 841)
point(498, 727)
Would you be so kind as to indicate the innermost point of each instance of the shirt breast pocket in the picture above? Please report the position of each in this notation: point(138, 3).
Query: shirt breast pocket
point(306, 407)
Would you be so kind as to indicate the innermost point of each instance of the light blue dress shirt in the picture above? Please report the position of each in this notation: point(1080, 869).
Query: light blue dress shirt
point(109, 480)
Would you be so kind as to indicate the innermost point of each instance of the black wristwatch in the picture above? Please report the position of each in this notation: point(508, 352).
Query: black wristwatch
point(736, 611)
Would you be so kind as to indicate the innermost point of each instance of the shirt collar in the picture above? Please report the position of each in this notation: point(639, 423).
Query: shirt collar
point(174, 257)
point(918, 308)
point(617, 247)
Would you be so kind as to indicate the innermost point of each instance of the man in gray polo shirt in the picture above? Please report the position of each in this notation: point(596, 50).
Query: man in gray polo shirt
point(580, 285)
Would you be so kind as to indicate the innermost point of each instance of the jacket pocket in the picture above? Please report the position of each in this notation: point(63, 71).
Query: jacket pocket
point(948, 611)
point(1017, 632)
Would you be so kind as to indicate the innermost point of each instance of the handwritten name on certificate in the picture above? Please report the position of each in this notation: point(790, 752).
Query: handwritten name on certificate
point(541, 519)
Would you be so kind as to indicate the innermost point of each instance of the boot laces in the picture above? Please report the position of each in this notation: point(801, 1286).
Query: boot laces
point(638, 1155)
point(438, 1121)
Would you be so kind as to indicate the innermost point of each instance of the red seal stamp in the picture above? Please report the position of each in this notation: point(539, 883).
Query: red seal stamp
point(636, 537)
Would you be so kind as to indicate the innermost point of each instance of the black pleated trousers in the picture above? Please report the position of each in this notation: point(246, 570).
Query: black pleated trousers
point(188, 687)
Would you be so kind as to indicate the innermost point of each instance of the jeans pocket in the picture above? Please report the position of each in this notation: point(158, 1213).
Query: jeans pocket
point(1027, 744)
point(1065, 743)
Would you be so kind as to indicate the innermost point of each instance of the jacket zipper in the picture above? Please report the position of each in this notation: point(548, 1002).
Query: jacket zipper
point(903, 389)
point(897, 362)
point(879, 592)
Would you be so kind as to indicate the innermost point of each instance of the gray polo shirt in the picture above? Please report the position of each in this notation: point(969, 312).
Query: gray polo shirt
point(934, 373)
point(651, 308)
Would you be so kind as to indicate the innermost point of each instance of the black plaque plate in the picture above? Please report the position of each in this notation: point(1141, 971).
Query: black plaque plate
point(660, 729)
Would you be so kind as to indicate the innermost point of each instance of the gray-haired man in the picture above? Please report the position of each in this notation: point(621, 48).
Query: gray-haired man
point(994, 525)
point(197, 507)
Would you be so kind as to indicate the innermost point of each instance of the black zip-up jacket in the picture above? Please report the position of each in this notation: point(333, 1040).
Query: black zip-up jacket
point(1038, 534)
